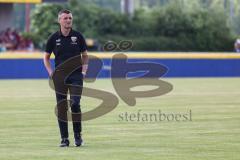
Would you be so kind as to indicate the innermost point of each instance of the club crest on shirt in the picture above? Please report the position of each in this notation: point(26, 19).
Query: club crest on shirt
point(74, 40)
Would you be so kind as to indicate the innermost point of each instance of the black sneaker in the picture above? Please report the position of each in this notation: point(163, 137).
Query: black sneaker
point(64, 143)
point(78, 140)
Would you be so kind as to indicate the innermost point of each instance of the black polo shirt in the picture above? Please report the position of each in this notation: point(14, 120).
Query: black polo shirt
point(65, 47)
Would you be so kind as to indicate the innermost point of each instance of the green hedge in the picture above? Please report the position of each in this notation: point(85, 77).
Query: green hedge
point(168, 28)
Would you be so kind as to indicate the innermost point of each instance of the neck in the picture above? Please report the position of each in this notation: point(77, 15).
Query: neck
point(65, 31)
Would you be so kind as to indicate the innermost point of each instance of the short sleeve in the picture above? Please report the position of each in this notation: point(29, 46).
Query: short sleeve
point(50, 45)
point(83, 45)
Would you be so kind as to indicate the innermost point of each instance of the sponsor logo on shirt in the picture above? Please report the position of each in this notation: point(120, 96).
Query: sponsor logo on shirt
point(58, 42)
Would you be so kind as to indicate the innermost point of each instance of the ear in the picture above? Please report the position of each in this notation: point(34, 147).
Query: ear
point(59, 18)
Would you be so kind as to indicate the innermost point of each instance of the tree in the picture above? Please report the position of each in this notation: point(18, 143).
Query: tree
point(173, 27)
point(44, 22)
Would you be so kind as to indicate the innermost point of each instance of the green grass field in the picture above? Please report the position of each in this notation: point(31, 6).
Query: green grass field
point(29, 131)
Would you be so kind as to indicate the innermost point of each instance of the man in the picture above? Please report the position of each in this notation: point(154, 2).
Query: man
point(237, 45)
point(66, 44)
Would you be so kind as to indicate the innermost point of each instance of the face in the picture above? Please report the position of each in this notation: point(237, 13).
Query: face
point(65, 20)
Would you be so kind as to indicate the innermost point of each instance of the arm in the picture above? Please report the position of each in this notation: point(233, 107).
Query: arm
point(84, 62)
point(47, 64)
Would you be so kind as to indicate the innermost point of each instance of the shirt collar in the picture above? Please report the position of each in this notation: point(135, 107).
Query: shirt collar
point(70, 33)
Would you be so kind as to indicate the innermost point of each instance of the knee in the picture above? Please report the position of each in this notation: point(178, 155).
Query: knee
point(62, 106)
point(75, 108)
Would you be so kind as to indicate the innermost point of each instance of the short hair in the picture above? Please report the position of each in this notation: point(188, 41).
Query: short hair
point(63, 11)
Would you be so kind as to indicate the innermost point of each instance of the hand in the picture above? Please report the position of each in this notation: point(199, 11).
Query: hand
point(50, 74)
point(84, 70)
point(84, 74)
